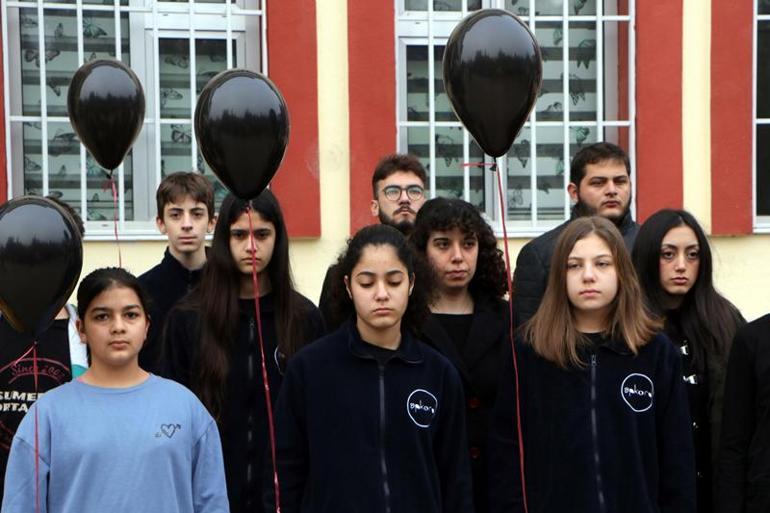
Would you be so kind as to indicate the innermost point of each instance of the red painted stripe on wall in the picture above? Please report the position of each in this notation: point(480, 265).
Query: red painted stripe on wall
point(372, 98)
point(731, 118)
point(292, 65)
point(3, 158)
point(658, 106)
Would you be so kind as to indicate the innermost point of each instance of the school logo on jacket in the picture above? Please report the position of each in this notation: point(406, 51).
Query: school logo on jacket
point(637, 391)
point(421, 406)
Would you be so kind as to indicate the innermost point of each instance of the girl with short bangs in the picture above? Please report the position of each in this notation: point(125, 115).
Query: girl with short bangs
point(212, 338)
point(117, 439)
point(673, 259)
point(603, 411)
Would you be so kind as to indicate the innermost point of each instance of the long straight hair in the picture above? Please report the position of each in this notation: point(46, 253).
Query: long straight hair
point(707, 320)
point(217, 297)
point(552, 330)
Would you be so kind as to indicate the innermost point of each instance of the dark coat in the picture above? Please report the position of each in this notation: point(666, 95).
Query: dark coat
point(243, 423)
point(480, 371)
point(530, 277)
point(166, 283)
point(358, 435)
point(743, 471)
point(613, 436)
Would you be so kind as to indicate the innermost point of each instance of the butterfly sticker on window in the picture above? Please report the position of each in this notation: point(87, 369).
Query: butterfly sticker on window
point(576, 90)
point(578, 5)
point(30, 165)
point(169, 94)
point(56, 83)
point(178, 60)
point(522, 152)
point(27, 21)
point(91, 30)
point(59, 30)
point(34, 55)
point(581, 134)
point(63, 142)
point(587, 48)
point(179, 134)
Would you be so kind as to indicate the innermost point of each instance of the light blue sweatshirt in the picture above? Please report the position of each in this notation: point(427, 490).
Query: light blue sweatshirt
point(149, 448)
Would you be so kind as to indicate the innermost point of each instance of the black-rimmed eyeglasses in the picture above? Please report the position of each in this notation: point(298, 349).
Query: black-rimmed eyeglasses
point(413, 192)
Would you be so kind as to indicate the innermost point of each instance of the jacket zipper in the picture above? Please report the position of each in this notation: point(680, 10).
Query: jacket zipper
point(383, 463)
point(595, 432)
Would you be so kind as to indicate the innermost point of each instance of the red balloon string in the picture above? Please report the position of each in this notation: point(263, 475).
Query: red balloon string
point(496, 170)
point(266, 383)
point(37, 437)
point(115, 218)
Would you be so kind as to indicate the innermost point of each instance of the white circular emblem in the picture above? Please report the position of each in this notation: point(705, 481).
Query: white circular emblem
point(421, 406)
point(637, 391)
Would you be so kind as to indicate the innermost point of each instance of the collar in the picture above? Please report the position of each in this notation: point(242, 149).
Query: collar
point(624, 225)
point(408, 351)
point(171, 264)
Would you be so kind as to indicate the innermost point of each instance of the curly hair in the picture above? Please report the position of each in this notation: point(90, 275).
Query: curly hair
point(444, 214)
point(341, 305)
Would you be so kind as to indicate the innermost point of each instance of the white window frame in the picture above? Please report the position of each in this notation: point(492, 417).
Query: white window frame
point(761, 223)
point(149, 21)
point(410, 30)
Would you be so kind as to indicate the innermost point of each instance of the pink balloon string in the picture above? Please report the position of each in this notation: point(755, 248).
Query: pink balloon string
point(511, 336)
point(266, 383)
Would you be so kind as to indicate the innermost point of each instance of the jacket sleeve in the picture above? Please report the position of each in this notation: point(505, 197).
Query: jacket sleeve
point(19, 492)
point(208, 485)
point(176, 362)
point(529, 282)
point(451, 449)
point(676, 451)
point(505, 493)
point(291, 451)
point(738, 424)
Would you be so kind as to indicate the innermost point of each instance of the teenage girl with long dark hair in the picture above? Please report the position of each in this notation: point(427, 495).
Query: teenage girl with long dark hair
point(673, 260)
point(604, 418)
point(116, 439)
point(212, 339)
point(369, 418)
point(469, 317)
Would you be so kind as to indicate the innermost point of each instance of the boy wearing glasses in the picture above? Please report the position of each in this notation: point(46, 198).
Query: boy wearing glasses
point(398, 189)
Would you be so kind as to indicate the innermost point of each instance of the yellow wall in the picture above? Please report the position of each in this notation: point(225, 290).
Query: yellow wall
point(740, 270)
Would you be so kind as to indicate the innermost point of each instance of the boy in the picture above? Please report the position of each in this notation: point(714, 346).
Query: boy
point(185, 215)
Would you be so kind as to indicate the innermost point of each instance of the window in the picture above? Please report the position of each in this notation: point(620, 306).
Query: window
point(174, 47)
point(762, 114)
point(586, 96)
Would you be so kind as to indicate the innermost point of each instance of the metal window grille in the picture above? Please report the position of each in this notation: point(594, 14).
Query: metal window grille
point(587, 96)
point(174, 47)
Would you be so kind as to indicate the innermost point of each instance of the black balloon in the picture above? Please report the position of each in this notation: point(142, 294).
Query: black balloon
point(105, 103)
point(492, 74)
point(41, 256)
point(242, 127)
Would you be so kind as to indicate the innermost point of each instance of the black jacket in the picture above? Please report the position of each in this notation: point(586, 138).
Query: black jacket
point(608, 438)
point(480, 371)
point(743, 472)
point(243, 424)
point(357, 436)
point(166, 283)
point(530, 277)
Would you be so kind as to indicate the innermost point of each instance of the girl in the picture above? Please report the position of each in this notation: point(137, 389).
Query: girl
point(469, 318)
point(212, 339)
point(368, 418)
point(603, 410)
point(673, 260)
point(117, 439)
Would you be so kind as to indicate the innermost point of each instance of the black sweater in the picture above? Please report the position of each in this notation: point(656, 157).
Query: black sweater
point(479, 365)
point(608, 438)
point(743, 472)
point(243, 424)
point(357, 436)
point(166, 283)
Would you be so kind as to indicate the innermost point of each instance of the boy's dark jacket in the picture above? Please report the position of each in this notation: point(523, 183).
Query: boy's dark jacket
point(480, 372)
point(357, 436)
point(166, 283)
point(595, 440)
